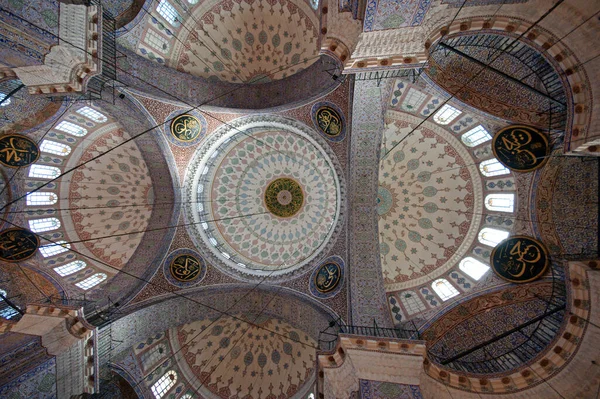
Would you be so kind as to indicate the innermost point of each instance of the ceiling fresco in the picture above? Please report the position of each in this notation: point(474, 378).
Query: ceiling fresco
point(271, 199)
point(111, 197)
point(429, 201)
point(267, 358)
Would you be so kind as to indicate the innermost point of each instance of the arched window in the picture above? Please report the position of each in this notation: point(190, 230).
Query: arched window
point(45, 224)
point(41, 198)
point(6, 311)
point(311, 396)
point(314, 4)
point(412, 302)
point(473, 268)
point(476, 136)
point(446, 114)
point(54, 249)
point(164, 383)
point(492, 167)
point(444, 289)
point(71, 128)
point(154, 355)
point(55, 148)
point(492, 237)
point(43, 171)
point(168, 12)
point(413, 100)
point(91, 281)
point(186, 396)
point(70, 268)
point(92, 114)
point(193, 1)
point(500, 202)
point(156, 41)
point(5, 102)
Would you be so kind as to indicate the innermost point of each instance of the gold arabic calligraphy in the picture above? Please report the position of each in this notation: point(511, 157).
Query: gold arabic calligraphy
point(17, 151)
point(328, 277)
point(520, 259)
point(329, 121)
point(521, 148)
point(17, 245)
point(185, 127)
point(185, 268)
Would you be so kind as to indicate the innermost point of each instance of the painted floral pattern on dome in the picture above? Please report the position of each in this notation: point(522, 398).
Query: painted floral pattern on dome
point(118, 196)
point(257, 41)
point(245, 226)
point(266, 358)
point(429, 201)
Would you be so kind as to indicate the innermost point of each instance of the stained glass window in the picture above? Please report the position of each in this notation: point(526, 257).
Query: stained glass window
point(71, 128)
point(91, 281)
point(473, 268)
point(446, 114)
point(54, 248)
point(168, 12)
point(55, 148)
point(492, 167)
point(444, 289)
point(41, 198)
point(45, 224)
point(156, 41)
point(500, 202)
point(92, 114)
point(164, 383)
point(476, 136)
point(413, 100)
point(70, 268)
point(44, 171)
point(492, 237)
point(412, 302)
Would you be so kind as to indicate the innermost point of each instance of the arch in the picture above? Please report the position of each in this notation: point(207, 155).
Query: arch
point(492, 237)
point(211, 301)
point(444, 289)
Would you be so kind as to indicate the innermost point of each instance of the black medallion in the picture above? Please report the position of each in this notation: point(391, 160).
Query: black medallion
point(329, 121)
point(185, 268)
point(328, 277)
point(17, 150)
point(17, 245)
point(186, 127)
point(520, 259)
point(521, 148)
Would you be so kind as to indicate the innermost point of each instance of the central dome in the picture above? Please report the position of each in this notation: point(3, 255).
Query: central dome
point(263, 199)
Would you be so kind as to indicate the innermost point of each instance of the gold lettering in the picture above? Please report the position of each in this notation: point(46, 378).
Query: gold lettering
point(515, 147)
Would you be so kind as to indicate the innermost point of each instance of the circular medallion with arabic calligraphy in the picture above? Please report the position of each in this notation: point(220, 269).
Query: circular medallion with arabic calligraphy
point(329, 120)
point(17, 150)
point(326, 279)
point(17, 244)
point(187, 129)
point(521, 148)
point(184, 267)
point(520, 259)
